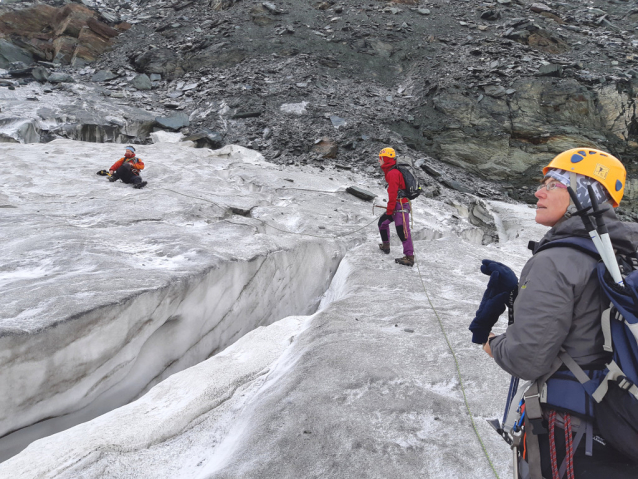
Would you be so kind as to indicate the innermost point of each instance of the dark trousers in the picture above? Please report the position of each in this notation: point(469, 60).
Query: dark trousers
point(605, 462)
point(125, 173)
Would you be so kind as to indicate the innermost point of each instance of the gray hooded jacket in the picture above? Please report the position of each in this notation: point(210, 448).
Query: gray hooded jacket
point(559, 304)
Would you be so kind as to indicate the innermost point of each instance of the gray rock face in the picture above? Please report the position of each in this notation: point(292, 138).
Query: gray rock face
point(10, 53)
point(233, 70)
point(500, 135)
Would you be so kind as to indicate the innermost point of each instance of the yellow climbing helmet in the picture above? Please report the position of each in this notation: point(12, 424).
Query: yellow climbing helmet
point(595, 164)
point(388, 152)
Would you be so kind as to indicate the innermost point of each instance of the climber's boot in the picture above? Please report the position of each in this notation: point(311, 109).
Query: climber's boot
point(385, 247)
point(407, 260)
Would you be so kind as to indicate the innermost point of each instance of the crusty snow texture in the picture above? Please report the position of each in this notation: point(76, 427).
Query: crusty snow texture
point(108, 290)
point(365, 387)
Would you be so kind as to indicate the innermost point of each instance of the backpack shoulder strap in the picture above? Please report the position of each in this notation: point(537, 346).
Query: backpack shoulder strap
point(584, 245)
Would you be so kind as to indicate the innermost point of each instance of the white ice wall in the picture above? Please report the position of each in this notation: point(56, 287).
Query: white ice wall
point(107, 290)
point(103, 359)
point(365, 388)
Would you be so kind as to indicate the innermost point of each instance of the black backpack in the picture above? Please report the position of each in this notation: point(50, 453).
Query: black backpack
point(412, 186)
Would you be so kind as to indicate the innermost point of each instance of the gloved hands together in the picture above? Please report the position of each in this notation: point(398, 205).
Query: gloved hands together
point(497, 294)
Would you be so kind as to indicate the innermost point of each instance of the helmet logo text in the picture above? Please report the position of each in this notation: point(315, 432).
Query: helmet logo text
point(601, 171)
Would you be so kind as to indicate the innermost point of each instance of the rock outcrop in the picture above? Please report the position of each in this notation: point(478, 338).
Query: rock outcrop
point(496, 88)
point(72, 34)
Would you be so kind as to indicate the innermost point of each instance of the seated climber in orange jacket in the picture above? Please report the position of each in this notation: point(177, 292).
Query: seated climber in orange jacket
point(128, 169)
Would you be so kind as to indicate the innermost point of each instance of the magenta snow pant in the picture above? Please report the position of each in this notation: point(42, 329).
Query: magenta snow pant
point(401, 218)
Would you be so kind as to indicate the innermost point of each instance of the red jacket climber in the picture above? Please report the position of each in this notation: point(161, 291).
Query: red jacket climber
point(397, 211)
point(393, 178)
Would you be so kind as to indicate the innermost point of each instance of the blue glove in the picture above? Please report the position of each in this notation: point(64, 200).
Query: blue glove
point(497, 294)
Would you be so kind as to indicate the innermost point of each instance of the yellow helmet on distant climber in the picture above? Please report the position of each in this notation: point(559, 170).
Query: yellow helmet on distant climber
point(388, 152)
point(595, 164)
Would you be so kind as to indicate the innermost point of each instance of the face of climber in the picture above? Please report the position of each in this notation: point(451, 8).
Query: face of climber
point(553, 201)
point(129, 153)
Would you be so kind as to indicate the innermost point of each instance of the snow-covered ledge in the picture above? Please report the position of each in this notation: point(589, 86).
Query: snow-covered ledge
point(108, 290)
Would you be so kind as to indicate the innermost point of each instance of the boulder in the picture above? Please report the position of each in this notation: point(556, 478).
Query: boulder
point(58, 77)
point(41, 74)
point(326, 148)
point(20, 69)
point(539, 7)
point(166, 137)
point(455, 185)
point(430, 170)
point(294, 108)
point(159, 60)
point(174, 122)
point(337, 121)
point(360, 193)
point(206, 139)
point(252, 113)
point(142, 82)
point(103, 75)
point(550, 70)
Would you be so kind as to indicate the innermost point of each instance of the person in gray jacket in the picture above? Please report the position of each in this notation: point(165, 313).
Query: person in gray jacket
point(558, 306)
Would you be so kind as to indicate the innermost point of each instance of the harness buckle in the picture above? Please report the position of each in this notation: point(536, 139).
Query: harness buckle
point(624, 383)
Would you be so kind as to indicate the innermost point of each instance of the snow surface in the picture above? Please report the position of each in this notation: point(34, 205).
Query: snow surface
point(100, 280)
point(107, 290)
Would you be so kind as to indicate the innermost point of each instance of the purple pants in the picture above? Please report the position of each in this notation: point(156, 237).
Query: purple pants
point(401, 218)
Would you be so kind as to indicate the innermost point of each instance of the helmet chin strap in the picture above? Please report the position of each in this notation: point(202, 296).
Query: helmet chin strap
point(571, 208)
point(573, 182)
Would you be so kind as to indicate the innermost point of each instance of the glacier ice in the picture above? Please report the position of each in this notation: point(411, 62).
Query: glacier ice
point(108, 290)
point(365, 386)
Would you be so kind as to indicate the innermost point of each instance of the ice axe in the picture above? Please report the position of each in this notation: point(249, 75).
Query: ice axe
point(607, 255)
point(603, 233)
point(376, 206)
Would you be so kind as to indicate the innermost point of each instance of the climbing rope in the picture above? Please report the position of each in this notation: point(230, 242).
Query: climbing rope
point(456, 362)
point(270, 225)
point(458, 372)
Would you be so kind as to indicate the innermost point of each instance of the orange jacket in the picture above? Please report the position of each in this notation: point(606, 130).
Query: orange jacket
point(136, 163)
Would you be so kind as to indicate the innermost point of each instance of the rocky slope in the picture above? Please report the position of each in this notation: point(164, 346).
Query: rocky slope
point(496, 88)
